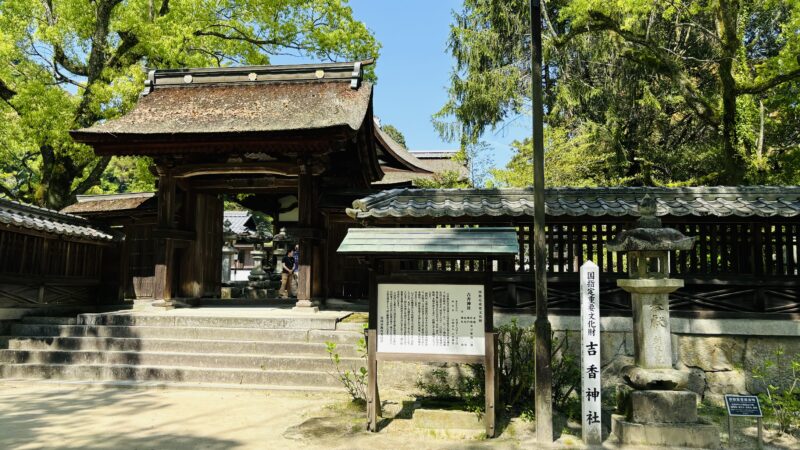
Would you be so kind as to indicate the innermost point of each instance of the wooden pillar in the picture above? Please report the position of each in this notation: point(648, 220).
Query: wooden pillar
point(165, 247)
point(306, 203)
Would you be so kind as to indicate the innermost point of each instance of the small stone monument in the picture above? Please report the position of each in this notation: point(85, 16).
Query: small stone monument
point(655, 407)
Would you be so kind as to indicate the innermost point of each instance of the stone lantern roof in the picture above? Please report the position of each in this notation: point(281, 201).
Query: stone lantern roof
point(649, 234)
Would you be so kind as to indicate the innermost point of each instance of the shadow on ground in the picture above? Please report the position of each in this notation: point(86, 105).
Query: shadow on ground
point(33, 420)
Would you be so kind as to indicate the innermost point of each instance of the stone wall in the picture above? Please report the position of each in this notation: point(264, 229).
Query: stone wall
point(720, 354)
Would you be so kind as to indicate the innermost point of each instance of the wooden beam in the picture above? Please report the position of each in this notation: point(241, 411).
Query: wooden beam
point(269, 168)
point(253, 184)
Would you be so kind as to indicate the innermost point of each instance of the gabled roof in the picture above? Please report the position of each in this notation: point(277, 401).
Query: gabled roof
point(34, 218)
point(112, 203)
point(741, 201)
point(398, 242)
point(403, 166)
point(252, 99)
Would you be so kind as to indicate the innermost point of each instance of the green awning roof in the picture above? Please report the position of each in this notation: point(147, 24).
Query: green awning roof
point(396, 242)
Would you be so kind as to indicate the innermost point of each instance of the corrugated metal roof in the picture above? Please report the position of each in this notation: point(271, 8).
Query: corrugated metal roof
point(49, 221)
point(98, 204)
point(430, 241)
point(742, 201)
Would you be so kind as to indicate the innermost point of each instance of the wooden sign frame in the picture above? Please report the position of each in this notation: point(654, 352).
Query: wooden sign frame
point(489, 359)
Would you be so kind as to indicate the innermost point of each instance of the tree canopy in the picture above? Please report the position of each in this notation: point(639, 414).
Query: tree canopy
point(637, 92)
point(67, 64)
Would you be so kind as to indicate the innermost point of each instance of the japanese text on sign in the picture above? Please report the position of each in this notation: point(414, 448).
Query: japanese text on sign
point(590, 353)
point(442, 319)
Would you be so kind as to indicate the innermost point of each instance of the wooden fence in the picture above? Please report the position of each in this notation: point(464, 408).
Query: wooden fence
point(736, 268)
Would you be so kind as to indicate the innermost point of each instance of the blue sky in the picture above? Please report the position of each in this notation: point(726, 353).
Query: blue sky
point(414, 71)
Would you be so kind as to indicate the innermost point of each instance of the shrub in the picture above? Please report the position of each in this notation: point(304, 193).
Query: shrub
point(516, 371)
point(781, 399)
point(353, 379)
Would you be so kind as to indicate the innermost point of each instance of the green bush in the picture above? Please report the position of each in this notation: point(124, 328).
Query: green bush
point(353, 379)
point(780, 399)
point(516, 371)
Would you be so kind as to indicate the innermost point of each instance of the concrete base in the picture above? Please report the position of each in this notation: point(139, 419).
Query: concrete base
point(306, 306)
point(438, 419)
point(696, 435)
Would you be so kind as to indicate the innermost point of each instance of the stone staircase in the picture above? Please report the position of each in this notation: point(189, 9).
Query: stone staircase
point(138, 349)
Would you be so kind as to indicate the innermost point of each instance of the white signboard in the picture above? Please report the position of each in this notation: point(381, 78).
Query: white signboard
point(440, 319)
point(590, 353)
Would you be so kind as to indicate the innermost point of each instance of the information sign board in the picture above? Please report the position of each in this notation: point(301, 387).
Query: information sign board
point(437, 319)
point(743, 405)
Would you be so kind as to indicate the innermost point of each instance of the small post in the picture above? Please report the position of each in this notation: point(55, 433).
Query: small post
point(760, 426)
point(372, 381)
point(730, 430)
point(490, 380)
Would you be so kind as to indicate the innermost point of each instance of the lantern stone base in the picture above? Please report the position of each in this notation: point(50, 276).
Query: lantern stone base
point(695, 435)
point(661, 418)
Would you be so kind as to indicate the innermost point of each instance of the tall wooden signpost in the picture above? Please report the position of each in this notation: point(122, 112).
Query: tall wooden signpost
point(544, 374)
point(590, 354)
point(431, 315)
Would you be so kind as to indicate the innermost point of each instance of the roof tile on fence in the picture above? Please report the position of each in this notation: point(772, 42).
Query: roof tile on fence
point(48, 221)
point(720, 201)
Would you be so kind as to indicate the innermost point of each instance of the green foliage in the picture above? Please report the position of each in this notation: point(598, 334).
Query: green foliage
point(636, 92)
point(517, 364)
point(395, 134)
point(449, 179)
point(353, 379)
point(516, 371)
point(780, 397)
point(466, 389)
point(67, 64)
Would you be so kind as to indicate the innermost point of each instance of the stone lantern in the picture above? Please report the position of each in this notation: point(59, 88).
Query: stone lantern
point(259, 280)
point(656, 408)
point(280, 245)
point(228, 250)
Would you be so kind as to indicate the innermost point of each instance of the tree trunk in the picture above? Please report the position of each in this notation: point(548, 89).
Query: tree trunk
point(734, 164)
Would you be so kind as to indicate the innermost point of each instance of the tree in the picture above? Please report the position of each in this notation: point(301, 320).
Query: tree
point(67, 64)
point(663, 91)
point(395, 134)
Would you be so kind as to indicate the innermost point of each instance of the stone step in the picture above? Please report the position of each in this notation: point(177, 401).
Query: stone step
point(197, 360)
point(50, 320)
point(307, 322)
point(175, 345)
point(100, 372)
point(205, 333)
point(328, 391)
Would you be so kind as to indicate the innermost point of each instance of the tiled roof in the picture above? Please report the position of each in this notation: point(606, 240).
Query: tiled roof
point(430, 241)
point(106, 203)
point(742, 201)
point(413, 168)
point(29, 217)
point(434, 154)
point(238, 220)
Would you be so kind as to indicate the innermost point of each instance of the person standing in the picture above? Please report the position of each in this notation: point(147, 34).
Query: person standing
point(286, 274)
point(296, 271)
